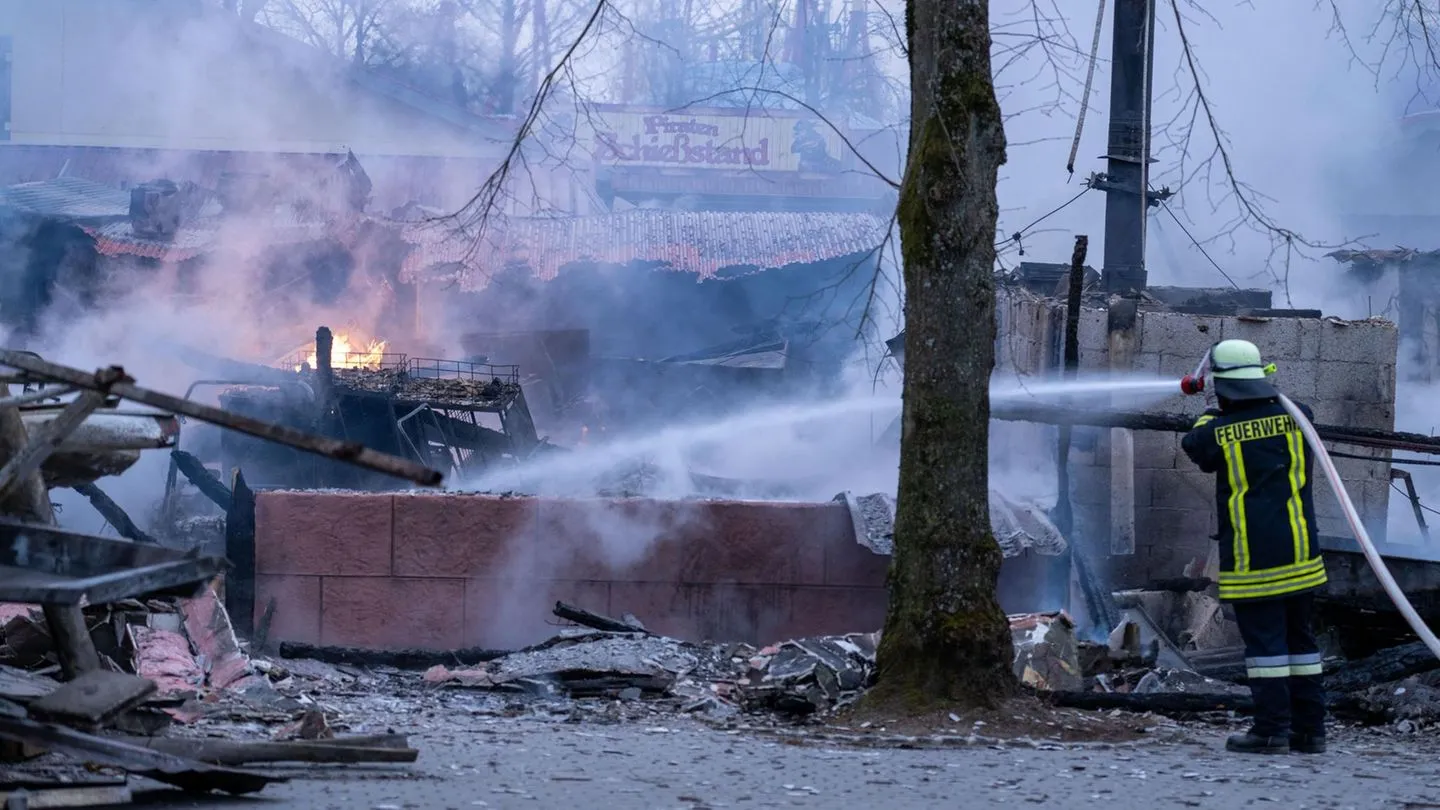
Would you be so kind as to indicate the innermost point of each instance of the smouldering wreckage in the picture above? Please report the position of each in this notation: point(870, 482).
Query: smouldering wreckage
point(64, 572)
point(165, 664)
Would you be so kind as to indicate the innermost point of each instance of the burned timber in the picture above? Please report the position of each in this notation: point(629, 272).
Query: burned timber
point(64, 573)
point(423, 409)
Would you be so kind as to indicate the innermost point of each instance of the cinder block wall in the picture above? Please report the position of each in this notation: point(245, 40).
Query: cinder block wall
point(1344, 370)
point(448, 571)
point(443, 571)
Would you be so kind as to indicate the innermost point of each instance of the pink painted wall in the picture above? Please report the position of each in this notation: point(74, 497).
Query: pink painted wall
point(442, 571)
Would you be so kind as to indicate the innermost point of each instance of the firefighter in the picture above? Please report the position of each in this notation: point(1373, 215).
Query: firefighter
point(1270, 563)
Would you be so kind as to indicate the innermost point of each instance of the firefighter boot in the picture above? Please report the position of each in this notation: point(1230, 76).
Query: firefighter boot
point(1252, 743)
point(1307, 710)
point(1271, 732)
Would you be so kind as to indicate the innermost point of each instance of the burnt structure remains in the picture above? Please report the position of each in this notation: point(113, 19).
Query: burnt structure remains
point(434, 412)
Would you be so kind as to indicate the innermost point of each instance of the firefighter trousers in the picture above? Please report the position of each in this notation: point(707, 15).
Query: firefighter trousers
point(1282, 664)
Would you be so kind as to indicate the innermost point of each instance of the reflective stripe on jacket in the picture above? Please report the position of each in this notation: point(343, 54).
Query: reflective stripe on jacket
point(1268, 540)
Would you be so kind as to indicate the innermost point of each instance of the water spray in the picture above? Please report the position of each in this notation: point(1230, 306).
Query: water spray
point(1195, 383)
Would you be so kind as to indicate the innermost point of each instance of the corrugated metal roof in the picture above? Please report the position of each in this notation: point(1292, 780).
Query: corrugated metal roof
point(69, 198)
point(701, 242)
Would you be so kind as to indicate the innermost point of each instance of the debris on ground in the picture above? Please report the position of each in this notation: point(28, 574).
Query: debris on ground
point(1046, 654)
point(796, 678)
point(174, 670)
point(809, 676)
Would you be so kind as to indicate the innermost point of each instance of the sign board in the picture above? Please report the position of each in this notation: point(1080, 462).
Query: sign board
point(735, 141)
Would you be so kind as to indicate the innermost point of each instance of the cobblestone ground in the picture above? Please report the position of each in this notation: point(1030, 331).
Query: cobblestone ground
point(490, 762)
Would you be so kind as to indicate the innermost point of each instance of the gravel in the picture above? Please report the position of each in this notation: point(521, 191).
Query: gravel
point(473, 756)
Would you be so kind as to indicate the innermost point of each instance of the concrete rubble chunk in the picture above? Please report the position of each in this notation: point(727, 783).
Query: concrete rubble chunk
point(1046, 653)
point(811, 675)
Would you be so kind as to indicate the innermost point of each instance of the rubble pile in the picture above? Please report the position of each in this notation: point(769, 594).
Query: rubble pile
point(170, 669)
point(807, 676)
point(797, 678)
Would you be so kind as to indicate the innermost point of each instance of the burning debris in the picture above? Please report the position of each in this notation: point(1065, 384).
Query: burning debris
point(184, 654)
point(457, 416)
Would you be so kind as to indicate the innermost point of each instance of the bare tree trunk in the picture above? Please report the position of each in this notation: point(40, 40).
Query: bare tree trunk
point(946, 639)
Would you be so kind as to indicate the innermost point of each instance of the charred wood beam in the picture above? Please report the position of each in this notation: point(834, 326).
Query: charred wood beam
point(1386, 665)
point(182, 772)
point(113, 514)
point(236, 752)
point(399, 659)
point(595, 620)
point(205, 481)
point(1179, 423)
point(350, 452)
point(240, 550)
point(1064, 512)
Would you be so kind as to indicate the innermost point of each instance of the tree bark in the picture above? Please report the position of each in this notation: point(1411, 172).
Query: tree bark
point(946, 639)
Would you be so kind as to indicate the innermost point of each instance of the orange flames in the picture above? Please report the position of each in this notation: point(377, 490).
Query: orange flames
point(350, 350)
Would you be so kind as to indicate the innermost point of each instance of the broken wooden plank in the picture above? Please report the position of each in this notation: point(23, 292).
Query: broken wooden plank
point(367, 741)
point(88, 796)
point(184, 773)
point(347, 451)
point(196, 473)
point(113, 514)
point(93, 699)
point(237, 752)
point(584, 617)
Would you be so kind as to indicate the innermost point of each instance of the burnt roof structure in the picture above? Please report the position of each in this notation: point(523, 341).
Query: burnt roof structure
point(705, 243)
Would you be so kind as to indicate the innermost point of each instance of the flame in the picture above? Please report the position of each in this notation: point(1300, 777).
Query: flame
point(351, 352)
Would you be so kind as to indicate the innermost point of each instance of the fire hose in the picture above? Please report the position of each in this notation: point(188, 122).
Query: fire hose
point(1195, 384)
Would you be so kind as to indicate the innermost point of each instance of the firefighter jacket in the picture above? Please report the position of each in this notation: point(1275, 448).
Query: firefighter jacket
point(1268, 540)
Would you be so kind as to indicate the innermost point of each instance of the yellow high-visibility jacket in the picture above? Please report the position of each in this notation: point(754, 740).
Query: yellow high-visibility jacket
point(1269, 546)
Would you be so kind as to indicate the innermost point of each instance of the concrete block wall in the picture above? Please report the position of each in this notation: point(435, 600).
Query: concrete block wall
point(1344, 370)
point(444, 571)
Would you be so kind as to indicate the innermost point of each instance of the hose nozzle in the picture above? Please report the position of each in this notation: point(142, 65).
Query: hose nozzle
point(1192, 384)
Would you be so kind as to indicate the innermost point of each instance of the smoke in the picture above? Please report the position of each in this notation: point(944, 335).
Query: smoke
point(201, 95)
